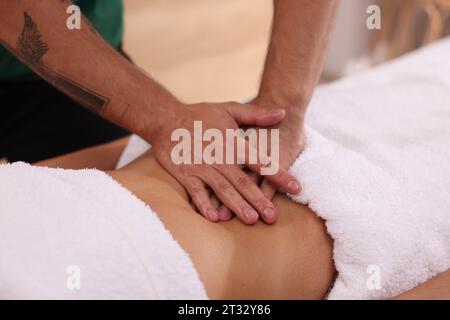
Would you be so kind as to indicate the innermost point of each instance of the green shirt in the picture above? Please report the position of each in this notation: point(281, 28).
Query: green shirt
point(105, 15)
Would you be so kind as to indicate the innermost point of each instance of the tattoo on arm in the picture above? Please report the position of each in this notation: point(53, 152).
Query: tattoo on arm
point(30, 45)
point(31, 49)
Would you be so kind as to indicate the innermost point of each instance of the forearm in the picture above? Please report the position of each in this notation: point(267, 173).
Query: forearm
point(81, 64)
point(296, 54)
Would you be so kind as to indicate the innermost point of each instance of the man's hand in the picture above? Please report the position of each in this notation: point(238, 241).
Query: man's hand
point(232, 186)
point(292, 142)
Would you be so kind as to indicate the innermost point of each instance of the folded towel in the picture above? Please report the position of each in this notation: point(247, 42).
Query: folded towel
point(77, 234)
point(376, 167)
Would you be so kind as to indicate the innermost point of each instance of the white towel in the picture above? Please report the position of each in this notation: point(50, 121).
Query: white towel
point(77, 234)
point(376, 167)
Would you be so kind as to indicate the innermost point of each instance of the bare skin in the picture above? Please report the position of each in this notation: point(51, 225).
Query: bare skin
point(438, 288)
point(291, 259)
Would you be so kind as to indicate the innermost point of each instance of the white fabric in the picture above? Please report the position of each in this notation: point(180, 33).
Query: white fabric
point(54, 221)
point(136, 146)
point(376, 167)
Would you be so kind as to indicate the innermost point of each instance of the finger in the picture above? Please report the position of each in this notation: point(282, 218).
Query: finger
point(215, 201)
point(194, 207)
point(250, 191)
point(256, 178)
point(280, 178)
point(268, 189)
point(200, 197)
point(225, 214)
point(227, 193)
point(252, 115)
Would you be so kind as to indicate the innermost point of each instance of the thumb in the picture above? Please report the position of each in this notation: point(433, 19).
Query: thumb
point(247, 114)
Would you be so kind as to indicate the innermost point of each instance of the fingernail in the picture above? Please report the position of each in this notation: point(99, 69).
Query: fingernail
point(212, 214)
point(275, 113)
point(225, 213)
point(293, 186)
point(268, 213)
point(249, 214)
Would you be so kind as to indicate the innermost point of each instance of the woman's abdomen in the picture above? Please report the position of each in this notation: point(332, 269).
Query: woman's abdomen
point(291, 259)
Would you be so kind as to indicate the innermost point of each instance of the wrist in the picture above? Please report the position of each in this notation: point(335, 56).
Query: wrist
point(295, 109)
point(159, 112)
point(146, 110)
point(291, 95)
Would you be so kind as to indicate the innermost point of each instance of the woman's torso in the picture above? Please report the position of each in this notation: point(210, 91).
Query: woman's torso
point(291, 259)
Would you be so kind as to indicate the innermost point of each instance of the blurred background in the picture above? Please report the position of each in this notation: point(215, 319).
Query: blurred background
point(205, 50)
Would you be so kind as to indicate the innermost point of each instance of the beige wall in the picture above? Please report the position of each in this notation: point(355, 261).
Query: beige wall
point(202, 50)
point(206, 50)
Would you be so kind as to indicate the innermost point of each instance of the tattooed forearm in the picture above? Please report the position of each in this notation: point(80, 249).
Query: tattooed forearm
point(31, 48)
